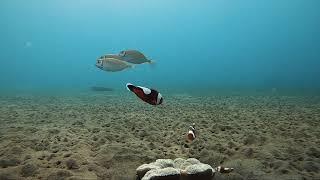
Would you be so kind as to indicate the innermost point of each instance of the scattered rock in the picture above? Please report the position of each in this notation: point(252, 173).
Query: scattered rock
point(9, 162)
point(54, 131)
point(67, 155)
point(8, 176)
point(72, 164)
point(283, 170)
point(248, 152)
point(59, 175)
point(43, 145)
point(231, 176)
point(313, 152)
point(58, 163)
point(311, 166)
point(95, 138)
point(16, 150)
point(213, 159)
point(250, 139)
point(50, 157)
point(28, 170)
point(191, 169)
point(78, 123)
point(27, 157)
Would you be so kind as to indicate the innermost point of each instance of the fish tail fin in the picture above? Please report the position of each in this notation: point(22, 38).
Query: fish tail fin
point(151, 61)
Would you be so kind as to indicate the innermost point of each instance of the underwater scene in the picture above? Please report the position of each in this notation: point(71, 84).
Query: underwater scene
point(160, 90)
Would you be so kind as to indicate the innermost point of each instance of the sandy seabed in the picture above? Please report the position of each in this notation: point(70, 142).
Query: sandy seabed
point(108, 135)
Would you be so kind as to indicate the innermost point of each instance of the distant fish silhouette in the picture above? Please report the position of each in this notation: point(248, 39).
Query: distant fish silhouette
point(98, 88)
point(134, 57)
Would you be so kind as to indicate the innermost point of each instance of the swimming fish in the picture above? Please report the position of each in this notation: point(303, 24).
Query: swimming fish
point(134, 57)
point(191, 133)
point(112, 64)
point(150, 96)
point(115, 56)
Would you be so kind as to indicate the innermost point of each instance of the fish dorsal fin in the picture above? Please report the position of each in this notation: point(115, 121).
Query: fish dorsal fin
point(132, 54)
point(145, 90)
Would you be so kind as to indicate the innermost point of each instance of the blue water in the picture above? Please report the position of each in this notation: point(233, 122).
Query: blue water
point(53, 45)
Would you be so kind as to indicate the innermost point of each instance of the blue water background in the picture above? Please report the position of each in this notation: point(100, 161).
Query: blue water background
point(209, 44)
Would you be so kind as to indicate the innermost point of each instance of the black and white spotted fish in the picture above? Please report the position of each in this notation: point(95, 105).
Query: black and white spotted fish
point(191, 135)
point(150, 96)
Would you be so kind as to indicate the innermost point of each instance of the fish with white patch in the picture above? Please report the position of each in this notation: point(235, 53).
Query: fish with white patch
point(191, 135)
point(147, 95)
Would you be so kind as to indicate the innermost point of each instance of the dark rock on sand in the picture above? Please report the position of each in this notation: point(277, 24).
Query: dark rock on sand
point(8, 176)
point(276, 164)
point(72, 164)
point(213, 159)
point(59, 175)
point(41, 145)
point(16, 150)
point(248, 152)
point(313, 152)
point(6, 162)
point(27, 157)
point(231, 176)
point(54, 131)
point(28, 170)
point(310, 166)
point(250, 139)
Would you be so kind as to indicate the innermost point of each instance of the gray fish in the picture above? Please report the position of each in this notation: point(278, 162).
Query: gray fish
point(115, 56)
point(112, 63)
point(134, 57)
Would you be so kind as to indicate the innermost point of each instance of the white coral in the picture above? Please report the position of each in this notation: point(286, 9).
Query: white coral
point(168, 167)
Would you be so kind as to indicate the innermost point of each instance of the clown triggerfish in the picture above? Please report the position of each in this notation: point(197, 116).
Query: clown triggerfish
point(150, 96)
point(191, 133)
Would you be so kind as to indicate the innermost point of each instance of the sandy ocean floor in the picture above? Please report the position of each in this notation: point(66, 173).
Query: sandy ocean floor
point(107, 135)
